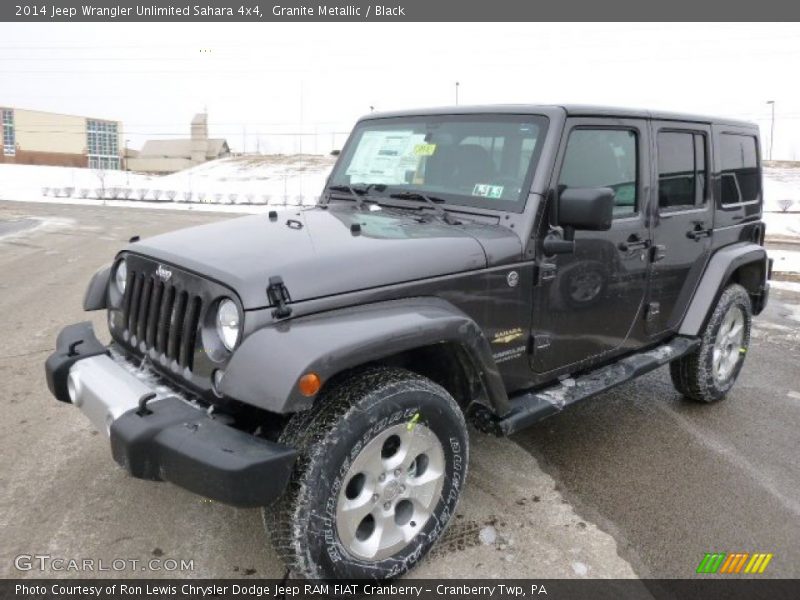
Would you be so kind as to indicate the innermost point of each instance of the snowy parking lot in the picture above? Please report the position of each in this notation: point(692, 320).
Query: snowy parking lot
point(636, 482)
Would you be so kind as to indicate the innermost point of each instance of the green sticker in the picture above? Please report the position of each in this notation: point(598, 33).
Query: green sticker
point(487, 191)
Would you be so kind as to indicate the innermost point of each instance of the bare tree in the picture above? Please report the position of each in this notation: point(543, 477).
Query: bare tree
point(101, 175)
point(785, 204)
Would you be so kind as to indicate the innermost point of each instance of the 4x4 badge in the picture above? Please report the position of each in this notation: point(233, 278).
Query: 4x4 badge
point(163, 273)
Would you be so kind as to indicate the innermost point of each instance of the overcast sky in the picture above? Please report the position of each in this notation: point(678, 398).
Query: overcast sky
point(259, 80)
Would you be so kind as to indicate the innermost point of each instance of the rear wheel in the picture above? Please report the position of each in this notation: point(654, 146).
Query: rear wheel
point(708, 373)
point(382, 459)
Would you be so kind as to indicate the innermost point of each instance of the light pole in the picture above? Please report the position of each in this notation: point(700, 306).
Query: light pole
point(456, 93)
point(771, 127)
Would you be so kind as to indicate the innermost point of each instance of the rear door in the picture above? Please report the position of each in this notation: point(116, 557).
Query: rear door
point(682, 220)
point(589, 302)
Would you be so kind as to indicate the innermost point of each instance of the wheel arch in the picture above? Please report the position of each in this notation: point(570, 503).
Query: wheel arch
point(428, 336)
point(744, 263)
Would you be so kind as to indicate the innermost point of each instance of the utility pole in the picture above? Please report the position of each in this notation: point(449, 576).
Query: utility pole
point(771, 127)
point(456, 93)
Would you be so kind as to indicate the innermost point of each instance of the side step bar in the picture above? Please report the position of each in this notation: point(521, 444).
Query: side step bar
point(528, 408)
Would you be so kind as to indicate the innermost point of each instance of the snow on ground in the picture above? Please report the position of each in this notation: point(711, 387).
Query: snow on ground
point(249, 183)
point(239, 183)
point(785, 260)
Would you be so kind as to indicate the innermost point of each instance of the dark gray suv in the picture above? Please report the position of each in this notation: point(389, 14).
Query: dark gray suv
point(488, 264)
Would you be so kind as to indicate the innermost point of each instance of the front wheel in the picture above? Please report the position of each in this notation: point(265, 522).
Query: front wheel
point(708, 373)
point(382, 460)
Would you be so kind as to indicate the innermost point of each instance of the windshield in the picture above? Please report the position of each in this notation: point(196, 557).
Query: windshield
point(474, 160)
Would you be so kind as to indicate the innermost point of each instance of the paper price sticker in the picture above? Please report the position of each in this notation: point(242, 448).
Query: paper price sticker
point(424, 149)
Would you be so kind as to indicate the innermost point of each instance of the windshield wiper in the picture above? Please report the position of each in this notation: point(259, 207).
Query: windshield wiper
point(433, 201)
point(350, 190)
point(358, 193)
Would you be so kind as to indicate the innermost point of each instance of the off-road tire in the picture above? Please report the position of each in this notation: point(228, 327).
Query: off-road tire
point(328, 437)
point(693, 374)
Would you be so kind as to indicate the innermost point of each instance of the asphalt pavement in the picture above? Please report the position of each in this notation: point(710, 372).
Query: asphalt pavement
point(636, 482)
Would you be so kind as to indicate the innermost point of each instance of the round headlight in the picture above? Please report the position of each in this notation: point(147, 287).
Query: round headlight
point(228, 323)
point(121, 276)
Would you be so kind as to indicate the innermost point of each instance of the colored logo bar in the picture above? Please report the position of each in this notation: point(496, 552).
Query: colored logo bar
point(734, 563)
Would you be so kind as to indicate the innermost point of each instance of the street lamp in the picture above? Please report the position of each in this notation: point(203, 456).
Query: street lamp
point(771, 127)
point(456, 93)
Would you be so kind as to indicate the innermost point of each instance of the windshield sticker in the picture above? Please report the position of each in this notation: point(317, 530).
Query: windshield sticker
point(487, 191)
point(385, 157)
point(424, 149)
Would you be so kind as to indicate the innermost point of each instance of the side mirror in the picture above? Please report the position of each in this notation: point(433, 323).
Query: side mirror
point(335, 152)
point(588, 209)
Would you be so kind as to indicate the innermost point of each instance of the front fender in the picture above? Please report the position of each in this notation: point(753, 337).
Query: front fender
point(95, 296)
point(265, 369)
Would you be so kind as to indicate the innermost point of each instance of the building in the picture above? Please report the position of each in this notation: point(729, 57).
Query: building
point(168, 156)
point(33, 137)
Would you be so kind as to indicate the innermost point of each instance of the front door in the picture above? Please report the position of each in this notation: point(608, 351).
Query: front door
point(682, 223)
point(588, 304)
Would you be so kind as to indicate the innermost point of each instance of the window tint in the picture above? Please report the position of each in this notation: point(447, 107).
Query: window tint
point(603, 158)
point(740, 172)
point(681, 169)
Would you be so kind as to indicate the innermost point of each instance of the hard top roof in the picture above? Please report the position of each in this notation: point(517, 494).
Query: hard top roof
point(572, 110)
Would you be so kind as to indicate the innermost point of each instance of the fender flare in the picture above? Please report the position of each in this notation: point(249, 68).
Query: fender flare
point(719, 269)
point(95, 296)
point(265, 369)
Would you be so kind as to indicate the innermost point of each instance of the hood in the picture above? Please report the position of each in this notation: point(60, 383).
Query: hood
point(317, 254)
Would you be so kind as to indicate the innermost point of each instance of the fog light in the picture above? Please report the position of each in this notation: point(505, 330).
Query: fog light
point(216, 381)
point(309, 384)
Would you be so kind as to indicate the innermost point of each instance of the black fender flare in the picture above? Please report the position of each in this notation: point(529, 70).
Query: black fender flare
point(719, 269)
point(265, 369)
point(96, 292)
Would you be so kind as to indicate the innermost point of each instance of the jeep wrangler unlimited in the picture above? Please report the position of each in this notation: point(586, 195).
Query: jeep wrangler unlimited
point(486, 264)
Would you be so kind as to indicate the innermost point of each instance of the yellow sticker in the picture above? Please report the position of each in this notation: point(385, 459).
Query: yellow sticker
point(424, 149)
point(413, 422)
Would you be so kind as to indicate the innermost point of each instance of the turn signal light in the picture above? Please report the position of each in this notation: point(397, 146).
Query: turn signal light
point(309, 384)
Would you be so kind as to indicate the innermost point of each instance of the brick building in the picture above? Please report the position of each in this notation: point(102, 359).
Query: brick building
point(32, 137)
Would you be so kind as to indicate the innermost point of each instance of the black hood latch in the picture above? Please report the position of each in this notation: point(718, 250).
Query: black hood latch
point(279, 297)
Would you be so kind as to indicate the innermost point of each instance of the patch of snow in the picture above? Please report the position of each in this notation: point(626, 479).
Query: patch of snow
point(580, 569)
point(789, 286)
point(243, 183)
point(488, 535)
point(780, 224)
point(785, 261)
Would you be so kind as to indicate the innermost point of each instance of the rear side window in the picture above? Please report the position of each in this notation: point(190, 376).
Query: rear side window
point(741, 181)
point(603, 158)
point(681, 170)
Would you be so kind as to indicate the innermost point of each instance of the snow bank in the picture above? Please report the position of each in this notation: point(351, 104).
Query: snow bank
point(233, 182)
point(242, 184)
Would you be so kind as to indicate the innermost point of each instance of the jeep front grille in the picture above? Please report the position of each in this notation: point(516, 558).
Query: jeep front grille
point(161, 318)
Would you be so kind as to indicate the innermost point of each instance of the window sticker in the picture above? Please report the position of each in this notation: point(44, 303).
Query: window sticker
point(424, 149)
point(385, 157)
point(487, 191)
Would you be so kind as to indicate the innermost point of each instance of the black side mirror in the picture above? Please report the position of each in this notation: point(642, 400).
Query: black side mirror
point(588, 209)
point(335, 152)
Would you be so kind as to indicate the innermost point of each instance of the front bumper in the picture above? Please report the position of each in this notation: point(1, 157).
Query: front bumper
point(165, 438)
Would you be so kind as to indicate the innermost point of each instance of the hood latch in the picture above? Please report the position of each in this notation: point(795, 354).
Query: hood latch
point(278, 296)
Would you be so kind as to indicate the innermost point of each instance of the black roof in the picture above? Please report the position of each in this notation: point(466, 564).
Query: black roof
point(573, 110)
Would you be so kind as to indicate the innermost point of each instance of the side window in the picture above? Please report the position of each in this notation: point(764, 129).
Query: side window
point(740, 173)
point(603, 158)
point(681, 170)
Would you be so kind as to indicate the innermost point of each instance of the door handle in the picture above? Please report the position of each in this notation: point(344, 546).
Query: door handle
point(634, 242)
point(699, 232)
